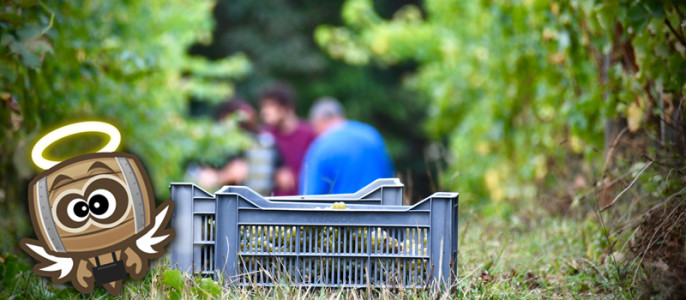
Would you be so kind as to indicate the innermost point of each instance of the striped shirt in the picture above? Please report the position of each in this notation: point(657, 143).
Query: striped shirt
point(262, 160)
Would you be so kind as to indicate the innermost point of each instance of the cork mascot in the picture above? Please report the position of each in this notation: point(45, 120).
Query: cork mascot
point(94, 215)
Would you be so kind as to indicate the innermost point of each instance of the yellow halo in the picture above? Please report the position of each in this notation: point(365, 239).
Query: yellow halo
point(71, 129)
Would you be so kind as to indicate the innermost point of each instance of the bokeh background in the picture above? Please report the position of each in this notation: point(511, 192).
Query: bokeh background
point(571, 112)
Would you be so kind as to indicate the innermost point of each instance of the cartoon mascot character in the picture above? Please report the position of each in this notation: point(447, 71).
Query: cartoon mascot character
point(95, 219)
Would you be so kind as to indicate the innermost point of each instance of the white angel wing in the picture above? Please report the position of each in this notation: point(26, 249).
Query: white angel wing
point(146, 241)
point(61, 264)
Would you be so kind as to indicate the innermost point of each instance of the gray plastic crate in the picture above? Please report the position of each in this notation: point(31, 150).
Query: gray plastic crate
point(253, 240)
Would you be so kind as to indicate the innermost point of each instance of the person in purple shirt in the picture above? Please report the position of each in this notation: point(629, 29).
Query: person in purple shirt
point(346, 156)
point(292, 135)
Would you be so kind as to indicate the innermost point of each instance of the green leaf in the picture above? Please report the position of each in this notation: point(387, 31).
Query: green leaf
point(28, 33)
point(208, 288)
point(209, 90)
point(39, 46)
point(235, 66)
point(11, 268)
point(7, 39)
point(174, 279)
point(638, 17)
point(606, 13)
point(656, 9)
point(28, 58)
point(7, 70)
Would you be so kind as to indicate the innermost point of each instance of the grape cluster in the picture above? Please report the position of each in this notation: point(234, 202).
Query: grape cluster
point(338, 205)
point(326, 240)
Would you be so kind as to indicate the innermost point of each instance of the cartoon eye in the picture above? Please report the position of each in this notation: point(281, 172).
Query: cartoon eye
point(108, 200)
point(101, 203)
point(77, 210)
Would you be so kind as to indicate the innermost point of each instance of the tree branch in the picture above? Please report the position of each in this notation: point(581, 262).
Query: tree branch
point(678, 36)
point(678, 11)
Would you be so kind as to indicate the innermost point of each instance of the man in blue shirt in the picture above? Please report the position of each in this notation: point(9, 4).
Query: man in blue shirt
point(345, 156)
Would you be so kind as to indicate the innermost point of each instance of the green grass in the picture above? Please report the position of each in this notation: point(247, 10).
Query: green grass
point(533, 255)
point(547, 257)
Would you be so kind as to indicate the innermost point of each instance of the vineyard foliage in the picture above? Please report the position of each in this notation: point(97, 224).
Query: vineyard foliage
point(123, 62)
point(524, 88)
point(276, 36)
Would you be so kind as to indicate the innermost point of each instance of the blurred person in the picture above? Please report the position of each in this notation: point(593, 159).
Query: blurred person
point(346, 156)
point(256, 167)
point(292, 135)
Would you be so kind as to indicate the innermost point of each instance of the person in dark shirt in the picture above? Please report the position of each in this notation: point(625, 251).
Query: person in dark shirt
point(292, 135)
point(346, 156)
